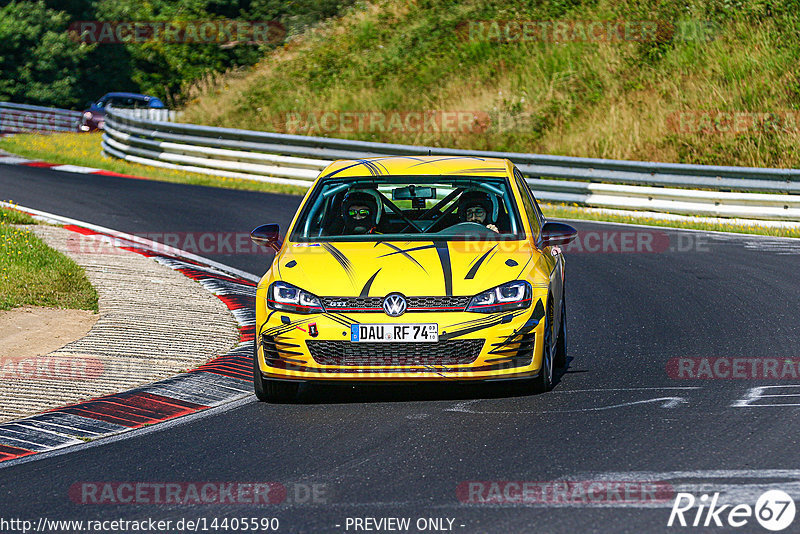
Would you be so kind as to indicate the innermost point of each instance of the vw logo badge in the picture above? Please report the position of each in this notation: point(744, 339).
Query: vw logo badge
point(394, 305)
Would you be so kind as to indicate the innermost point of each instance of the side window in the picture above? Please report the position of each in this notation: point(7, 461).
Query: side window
point(531, 209)
point(535, 204)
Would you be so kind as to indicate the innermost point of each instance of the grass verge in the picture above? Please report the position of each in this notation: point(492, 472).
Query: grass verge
point(714, 83)
point(31, 273)
point(83, 149)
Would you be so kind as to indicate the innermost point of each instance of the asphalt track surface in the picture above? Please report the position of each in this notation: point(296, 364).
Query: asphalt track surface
point(615, 414)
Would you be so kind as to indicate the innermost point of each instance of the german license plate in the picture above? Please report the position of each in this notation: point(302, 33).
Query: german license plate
point(414, 333)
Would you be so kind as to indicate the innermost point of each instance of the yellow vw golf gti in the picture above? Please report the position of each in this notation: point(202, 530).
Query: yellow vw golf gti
point(412, 268)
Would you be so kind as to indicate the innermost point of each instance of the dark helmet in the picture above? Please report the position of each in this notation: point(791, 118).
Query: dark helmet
point(470, 199)
point(354, 224)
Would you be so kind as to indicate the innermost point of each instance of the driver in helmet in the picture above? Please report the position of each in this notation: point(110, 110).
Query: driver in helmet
point(360, 212)
point(476, 206)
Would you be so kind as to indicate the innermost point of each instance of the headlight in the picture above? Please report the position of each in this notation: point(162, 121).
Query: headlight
point(87, 115)
point(511, 296)
point(286, 297)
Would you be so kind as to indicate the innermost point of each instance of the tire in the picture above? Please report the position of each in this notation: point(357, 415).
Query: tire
point(544, 381)
point(275, 391)
point(560, 359)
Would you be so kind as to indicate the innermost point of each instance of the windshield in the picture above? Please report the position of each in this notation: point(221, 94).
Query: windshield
point(409, 208)
point(127, 102)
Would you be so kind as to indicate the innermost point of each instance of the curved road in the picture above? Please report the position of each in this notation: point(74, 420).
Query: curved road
point(618, 415)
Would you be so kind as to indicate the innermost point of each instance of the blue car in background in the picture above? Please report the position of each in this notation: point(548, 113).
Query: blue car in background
point(94, 117)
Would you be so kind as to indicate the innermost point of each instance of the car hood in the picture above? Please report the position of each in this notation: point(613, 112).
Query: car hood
point(413, 268)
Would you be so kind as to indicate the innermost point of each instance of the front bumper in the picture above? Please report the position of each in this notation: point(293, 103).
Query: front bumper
point(472, 346)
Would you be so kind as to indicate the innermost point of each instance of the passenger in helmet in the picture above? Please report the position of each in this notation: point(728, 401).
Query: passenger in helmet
point(360, 212)
point(477, 207)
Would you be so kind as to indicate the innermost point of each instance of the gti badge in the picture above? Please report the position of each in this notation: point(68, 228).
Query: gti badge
point(312, 330)
point(394, 305)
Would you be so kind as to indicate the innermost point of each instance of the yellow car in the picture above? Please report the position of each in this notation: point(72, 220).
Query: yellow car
point(412, 268)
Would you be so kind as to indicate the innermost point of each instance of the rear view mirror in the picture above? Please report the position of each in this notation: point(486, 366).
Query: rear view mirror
point(267, 235)
point(411, 192)
point(555, 233)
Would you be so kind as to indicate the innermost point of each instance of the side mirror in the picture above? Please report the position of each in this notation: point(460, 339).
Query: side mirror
point(267, 235)
point(554, 233)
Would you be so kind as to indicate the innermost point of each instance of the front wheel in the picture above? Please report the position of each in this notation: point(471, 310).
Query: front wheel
point(275, 391)
point(544, 381)
point(560, 359)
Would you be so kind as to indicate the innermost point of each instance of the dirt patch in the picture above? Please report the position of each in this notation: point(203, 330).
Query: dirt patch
point(154, 323)
point(35, 331)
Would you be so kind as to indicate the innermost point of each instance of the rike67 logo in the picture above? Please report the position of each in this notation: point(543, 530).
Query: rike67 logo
point(774, 510)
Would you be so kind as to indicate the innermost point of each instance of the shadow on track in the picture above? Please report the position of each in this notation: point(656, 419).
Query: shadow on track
point(419, 391)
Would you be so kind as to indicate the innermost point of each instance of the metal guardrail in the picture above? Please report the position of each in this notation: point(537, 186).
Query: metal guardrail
point(18, 118)
point(152, 114)
point(746, 192)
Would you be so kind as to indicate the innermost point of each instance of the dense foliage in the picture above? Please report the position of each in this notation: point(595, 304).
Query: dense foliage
point(669, 97)
point(41, 63)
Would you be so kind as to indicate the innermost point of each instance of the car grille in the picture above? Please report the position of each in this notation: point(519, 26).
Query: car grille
point(451, 352)
point(418, 304)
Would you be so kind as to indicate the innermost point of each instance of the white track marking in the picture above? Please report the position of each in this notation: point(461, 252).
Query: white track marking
point(670, 402)
point(74, 168)
point(667, 402)
point(757, 393)
point(622, 389)
point(14, 160)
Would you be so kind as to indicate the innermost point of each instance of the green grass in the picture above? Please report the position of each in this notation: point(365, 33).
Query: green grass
point(31, 273)
point(84, 150)
point(9, 216)
point(594, 99)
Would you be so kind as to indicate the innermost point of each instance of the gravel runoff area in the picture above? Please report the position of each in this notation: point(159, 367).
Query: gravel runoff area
point(153, 323)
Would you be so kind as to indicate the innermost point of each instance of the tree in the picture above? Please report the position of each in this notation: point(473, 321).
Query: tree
point(39, 61)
